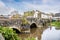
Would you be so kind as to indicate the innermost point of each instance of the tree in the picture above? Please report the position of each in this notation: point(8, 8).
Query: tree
point(16, 16)
point(29, 13)
point(24, 21)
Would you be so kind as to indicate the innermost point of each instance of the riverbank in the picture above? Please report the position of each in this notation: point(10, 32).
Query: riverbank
point(10, 34)
point(56, 24)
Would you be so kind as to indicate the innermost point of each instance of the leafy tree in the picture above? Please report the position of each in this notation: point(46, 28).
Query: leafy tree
point(24, 21)
point(16, 16)
point(29, 13)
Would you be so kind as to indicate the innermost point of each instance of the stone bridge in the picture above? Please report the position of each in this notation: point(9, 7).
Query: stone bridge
point(34, 22)
point(16, 23)
point(16, 28)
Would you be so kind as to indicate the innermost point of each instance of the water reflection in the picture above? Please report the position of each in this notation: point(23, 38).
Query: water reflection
point(35, 33)
point(52, 34)
point(42, 34)
point(57, 28)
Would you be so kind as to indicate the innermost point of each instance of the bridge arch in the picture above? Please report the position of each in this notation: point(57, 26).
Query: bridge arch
point(16, 30)
point(33, 25)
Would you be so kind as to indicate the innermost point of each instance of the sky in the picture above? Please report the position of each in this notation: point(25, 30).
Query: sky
point(47, 6)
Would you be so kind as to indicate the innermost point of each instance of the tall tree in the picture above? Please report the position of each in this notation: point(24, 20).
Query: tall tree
point(29, 13)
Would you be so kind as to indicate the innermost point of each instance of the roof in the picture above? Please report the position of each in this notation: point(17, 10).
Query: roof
point(57, 15)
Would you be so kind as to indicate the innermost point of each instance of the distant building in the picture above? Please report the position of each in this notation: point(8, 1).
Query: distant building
point(46, 16)
point(56, 16)
point(14, 15)
point(2, 17)
point(40, 15)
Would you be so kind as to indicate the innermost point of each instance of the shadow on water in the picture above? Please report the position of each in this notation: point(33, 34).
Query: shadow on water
point(42, 33)
point(57, 28)
point(34, 32)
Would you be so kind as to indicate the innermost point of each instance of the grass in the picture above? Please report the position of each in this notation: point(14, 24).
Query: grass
point(56, 24)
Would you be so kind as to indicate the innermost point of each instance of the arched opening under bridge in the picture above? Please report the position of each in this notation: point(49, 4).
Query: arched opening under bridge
point(33, 25)
point(16, 30)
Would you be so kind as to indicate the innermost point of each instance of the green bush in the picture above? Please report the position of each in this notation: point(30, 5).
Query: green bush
point(8, 33)
point(57, 24)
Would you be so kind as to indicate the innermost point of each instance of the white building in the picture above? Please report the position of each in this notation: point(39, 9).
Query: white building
point(56, 16)
point(46, 16)
point(35, 14)
point(39, 14)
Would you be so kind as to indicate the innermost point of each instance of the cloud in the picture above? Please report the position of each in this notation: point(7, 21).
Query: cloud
point(45, 1)
point(1, 4)
point(54, 2)
point(43, 7)
point(4, 9)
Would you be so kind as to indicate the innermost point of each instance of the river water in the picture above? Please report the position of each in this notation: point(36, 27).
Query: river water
point(42, 34)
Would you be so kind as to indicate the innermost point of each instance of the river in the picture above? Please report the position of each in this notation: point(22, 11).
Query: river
point(42, 34)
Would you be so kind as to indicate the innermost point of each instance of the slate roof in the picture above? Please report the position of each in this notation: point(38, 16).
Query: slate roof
point(57, 15)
